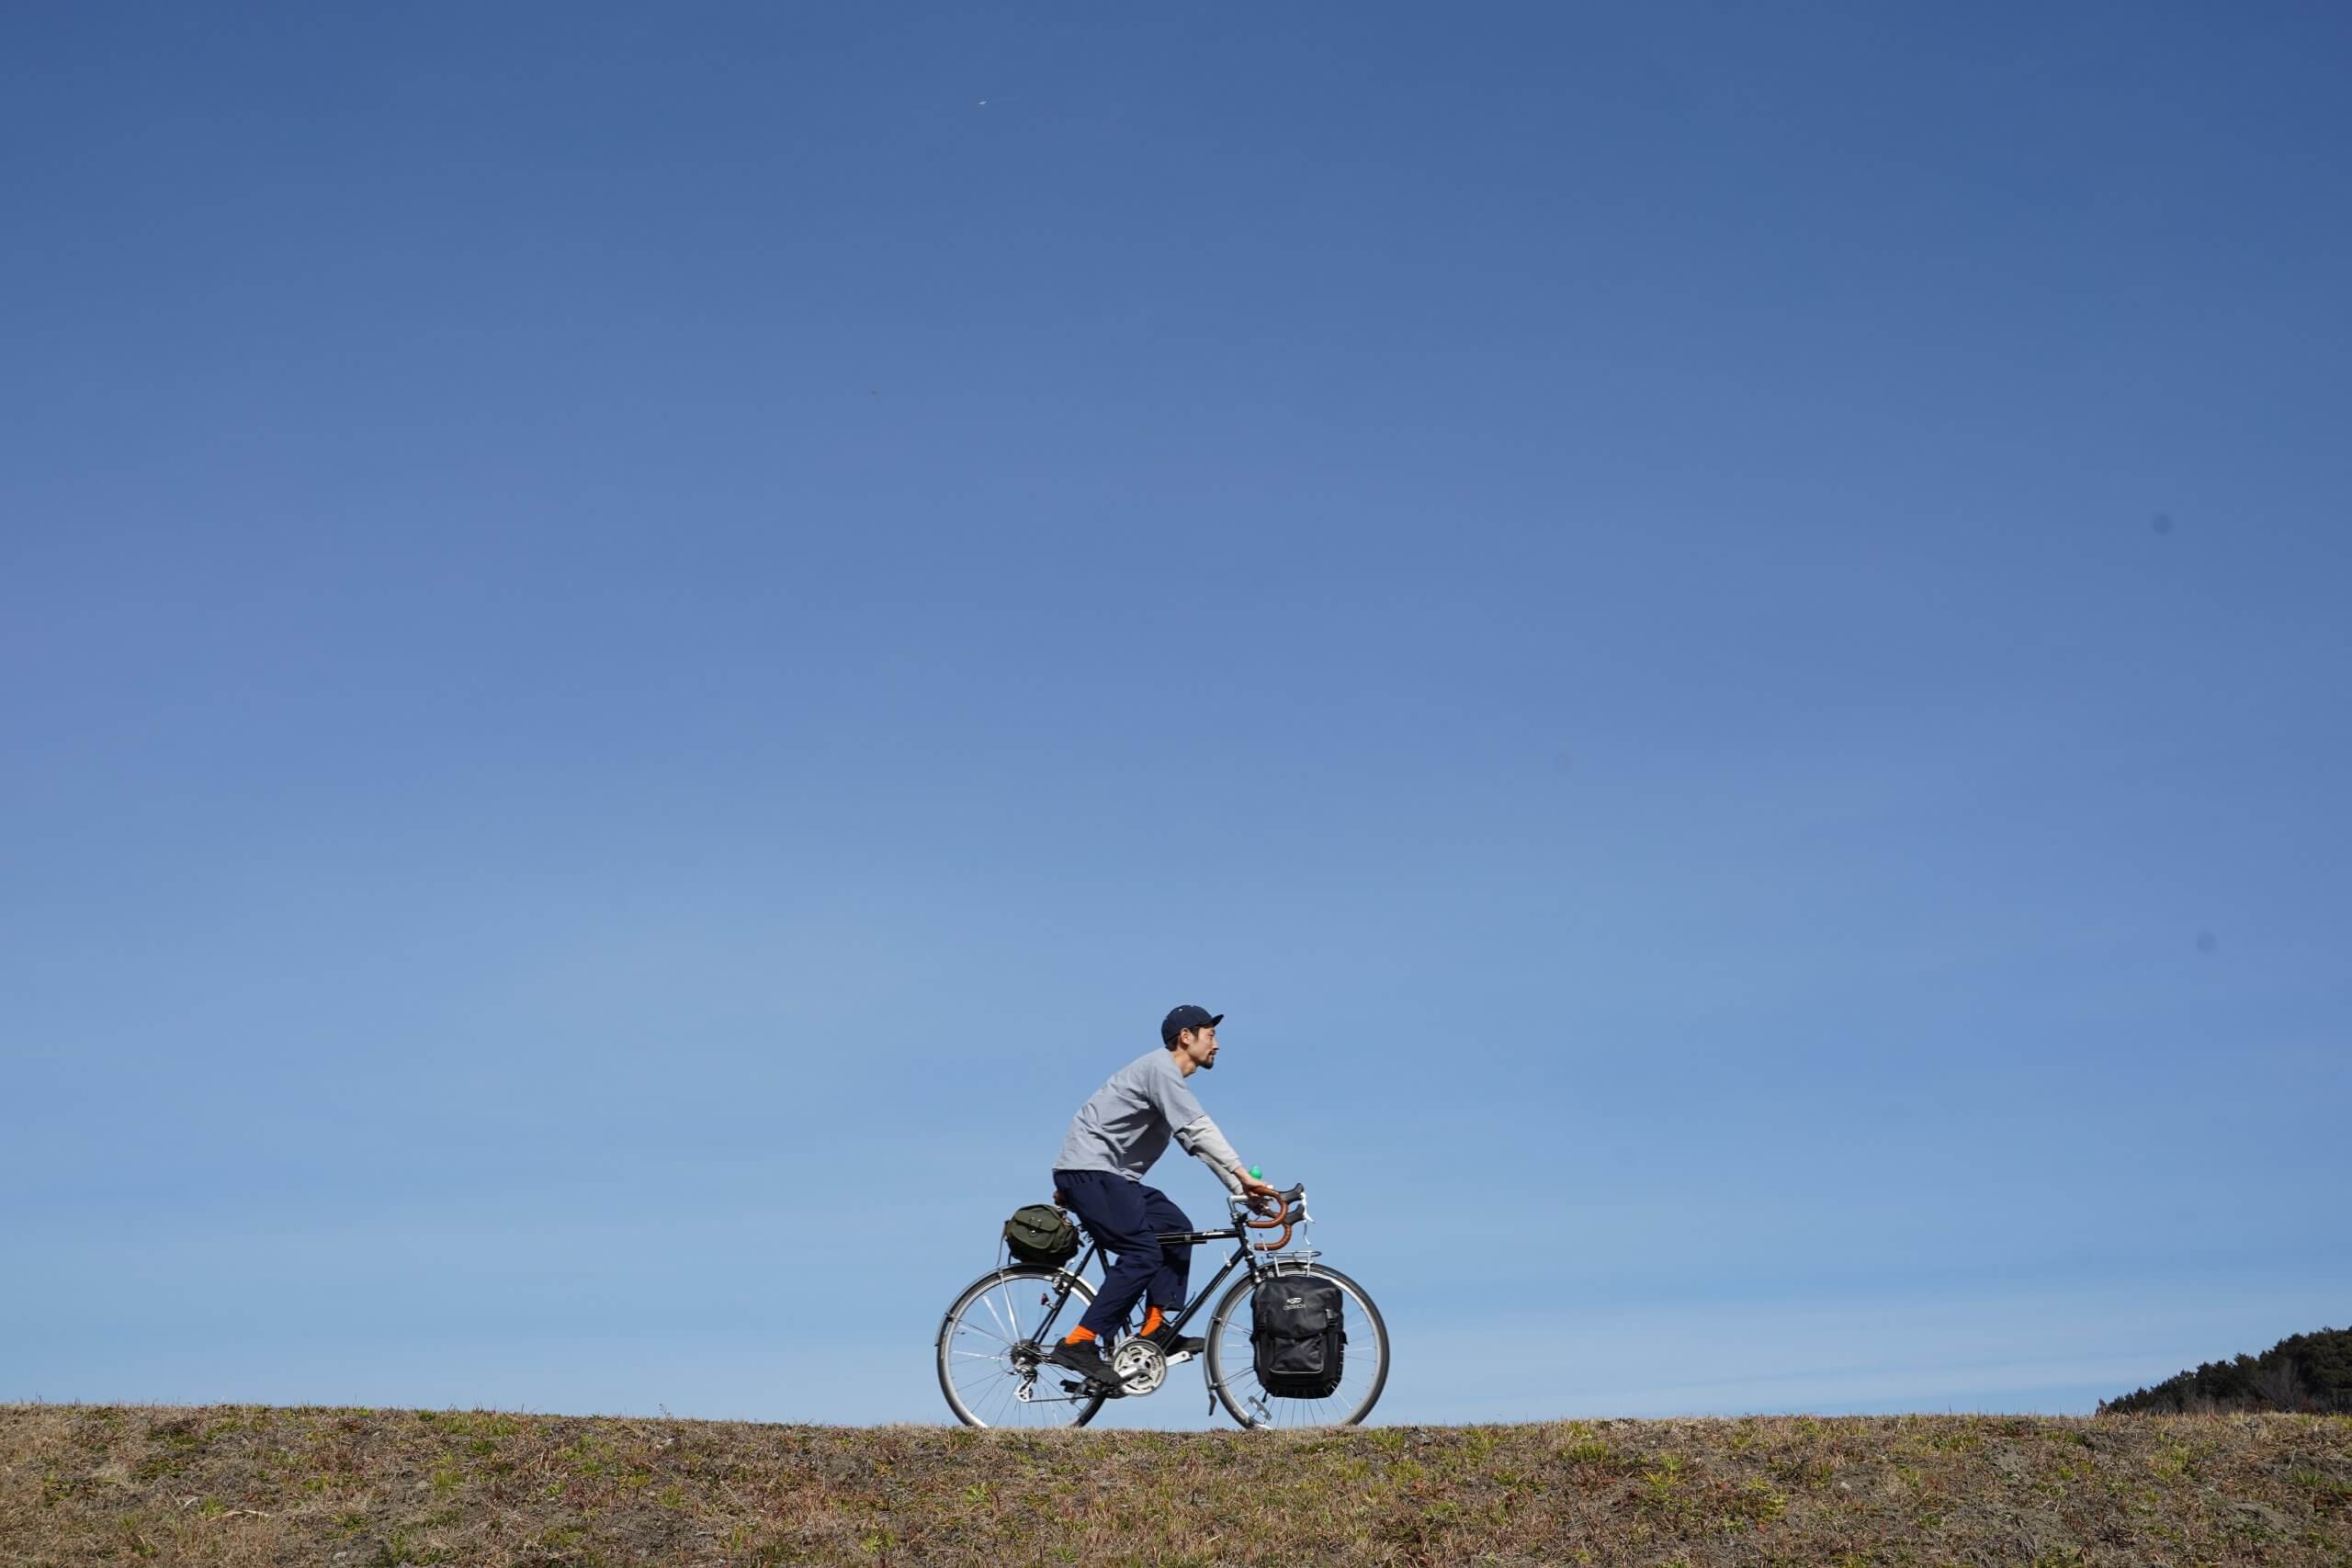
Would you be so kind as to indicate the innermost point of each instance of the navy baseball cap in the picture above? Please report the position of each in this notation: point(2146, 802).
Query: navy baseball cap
point(1185, 1018)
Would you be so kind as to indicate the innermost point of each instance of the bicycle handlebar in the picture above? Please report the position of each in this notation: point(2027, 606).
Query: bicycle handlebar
point(1293, 1196)
point(1294, 1212)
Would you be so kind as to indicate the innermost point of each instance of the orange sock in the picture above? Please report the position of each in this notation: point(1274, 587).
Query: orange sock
point(1080, 1336)
point(1151, 1321)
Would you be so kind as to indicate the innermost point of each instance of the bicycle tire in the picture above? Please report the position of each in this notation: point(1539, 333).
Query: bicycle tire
point(1232, 1385)
point(1005, 1329)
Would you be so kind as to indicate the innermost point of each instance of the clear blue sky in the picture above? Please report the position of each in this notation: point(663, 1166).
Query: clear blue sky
point(636, 643)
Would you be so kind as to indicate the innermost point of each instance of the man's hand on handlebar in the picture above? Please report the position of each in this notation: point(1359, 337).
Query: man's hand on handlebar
point(1263, 1196)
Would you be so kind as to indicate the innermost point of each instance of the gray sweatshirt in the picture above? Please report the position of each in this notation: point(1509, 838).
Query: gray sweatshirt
point(1128, 1123)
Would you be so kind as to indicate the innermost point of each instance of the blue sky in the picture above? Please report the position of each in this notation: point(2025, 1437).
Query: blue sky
point(636, 645)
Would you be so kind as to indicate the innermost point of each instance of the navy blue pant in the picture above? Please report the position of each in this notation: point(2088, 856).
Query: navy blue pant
point(1123, 1216)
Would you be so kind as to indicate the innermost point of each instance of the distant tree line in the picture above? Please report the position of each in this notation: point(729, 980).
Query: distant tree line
point(2307, 1372)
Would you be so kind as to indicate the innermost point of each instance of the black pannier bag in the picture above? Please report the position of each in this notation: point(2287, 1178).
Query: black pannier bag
point(1039, 1232)
point(1297, 1336)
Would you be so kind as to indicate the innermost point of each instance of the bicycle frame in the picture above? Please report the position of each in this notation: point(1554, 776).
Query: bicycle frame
point(1242, 1253)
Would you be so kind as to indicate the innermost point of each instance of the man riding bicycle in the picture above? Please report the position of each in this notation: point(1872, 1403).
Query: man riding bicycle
point(1114, 1139)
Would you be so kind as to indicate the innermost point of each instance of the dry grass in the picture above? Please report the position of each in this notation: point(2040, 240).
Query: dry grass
point(371, 1489)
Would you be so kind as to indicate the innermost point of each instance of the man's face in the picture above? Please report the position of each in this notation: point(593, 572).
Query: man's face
point(1200, 1044)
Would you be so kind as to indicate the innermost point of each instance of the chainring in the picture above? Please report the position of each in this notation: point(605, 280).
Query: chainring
point(1139, 1366)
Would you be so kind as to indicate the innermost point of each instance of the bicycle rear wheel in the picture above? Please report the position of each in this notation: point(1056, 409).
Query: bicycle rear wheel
point(1233, 1368)
point(991, 1343)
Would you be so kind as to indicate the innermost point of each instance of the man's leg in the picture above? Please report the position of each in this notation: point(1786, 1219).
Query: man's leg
point(1113, 1210)
point(1175, 1264)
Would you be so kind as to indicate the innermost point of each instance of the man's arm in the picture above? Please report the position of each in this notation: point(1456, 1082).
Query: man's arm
point(1203, 1142)
point(1199, 1137)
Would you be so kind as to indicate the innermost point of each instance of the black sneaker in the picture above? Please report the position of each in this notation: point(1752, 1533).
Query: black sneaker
point(1086, 1358)
point(1170, 1346)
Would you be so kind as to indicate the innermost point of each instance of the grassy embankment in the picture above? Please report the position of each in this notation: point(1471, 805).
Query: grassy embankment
point(359, 1489)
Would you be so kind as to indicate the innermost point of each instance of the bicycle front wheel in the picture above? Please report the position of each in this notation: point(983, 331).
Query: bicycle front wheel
point(1233, 1366)
point(991, 1346)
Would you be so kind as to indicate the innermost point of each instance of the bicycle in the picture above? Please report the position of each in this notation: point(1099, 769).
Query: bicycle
point(993, 1341)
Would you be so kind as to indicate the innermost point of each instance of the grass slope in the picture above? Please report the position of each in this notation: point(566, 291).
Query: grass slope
point(369, 1489)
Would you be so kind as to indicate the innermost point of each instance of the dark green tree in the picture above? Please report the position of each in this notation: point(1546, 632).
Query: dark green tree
point(2305, 1372)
